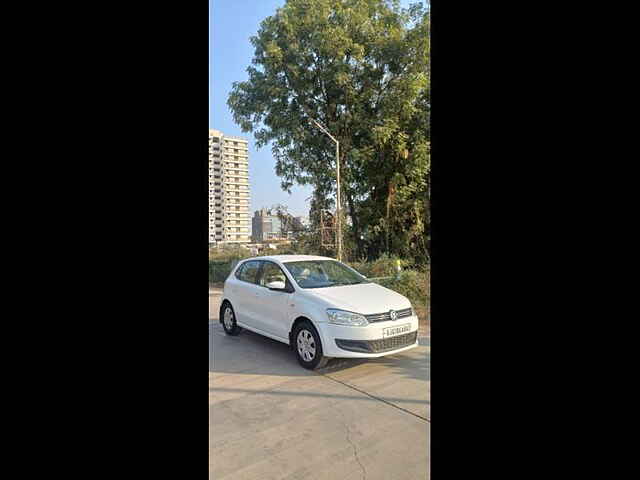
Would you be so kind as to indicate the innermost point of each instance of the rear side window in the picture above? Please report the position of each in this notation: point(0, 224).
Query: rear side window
point(248, 272)
point(239, 271)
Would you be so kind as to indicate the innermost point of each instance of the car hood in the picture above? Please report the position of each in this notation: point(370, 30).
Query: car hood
point(365, 298)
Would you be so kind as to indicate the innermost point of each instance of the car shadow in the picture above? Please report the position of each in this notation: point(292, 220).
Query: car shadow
point(408, 365)
point(251, 354)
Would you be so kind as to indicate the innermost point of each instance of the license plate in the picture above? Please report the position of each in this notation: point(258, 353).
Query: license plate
point(393, 331)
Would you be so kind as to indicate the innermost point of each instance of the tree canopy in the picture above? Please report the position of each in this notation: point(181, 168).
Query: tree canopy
point(360, 68)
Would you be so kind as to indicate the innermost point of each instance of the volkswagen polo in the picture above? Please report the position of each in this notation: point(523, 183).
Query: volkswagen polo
point(319, 306)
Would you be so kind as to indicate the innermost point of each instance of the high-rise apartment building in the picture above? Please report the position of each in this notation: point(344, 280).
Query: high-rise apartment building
point(229, 198)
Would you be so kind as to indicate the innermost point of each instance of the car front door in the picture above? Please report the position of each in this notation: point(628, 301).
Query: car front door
point(274, 304)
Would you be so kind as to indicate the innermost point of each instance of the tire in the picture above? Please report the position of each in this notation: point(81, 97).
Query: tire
point(228, 320)
point(307, 346)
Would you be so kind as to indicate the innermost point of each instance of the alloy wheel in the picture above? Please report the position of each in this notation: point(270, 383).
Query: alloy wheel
point(228, 318)
point(306, 345)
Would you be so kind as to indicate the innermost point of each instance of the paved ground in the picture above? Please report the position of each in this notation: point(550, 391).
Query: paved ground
point(271, 419)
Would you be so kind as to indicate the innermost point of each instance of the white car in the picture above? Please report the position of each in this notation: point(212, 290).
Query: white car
point(319, 306)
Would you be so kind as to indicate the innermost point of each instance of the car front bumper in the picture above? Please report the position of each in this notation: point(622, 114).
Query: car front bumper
point(368, 342)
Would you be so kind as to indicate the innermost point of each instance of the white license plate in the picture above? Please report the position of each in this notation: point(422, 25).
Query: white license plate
point(393, 331)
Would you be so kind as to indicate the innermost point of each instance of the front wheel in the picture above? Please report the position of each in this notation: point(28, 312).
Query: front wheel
point(308, 346)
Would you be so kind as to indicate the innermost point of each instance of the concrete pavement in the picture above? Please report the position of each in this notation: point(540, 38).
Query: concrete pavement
point(271, 419)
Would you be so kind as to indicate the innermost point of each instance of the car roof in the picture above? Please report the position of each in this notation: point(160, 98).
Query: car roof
point(289, 258)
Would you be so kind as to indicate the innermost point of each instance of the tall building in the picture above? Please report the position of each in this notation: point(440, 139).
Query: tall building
point(229, 197)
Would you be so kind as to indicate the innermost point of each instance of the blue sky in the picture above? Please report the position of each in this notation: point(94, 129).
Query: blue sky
point(231, 23)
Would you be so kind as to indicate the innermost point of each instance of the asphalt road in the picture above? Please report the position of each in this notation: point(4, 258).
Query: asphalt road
point(271, 419)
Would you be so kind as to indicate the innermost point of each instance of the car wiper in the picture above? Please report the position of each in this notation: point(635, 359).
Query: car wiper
point(336, 284)
point(321, 286)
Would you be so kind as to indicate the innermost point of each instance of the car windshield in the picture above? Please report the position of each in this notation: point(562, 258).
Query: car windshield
point(323, 273)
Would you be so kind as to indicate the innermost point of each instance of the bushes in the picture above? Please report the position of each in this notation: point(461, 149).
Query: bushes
point(413, 284)
point(222, 261)
point(219, 270)
point(384, 266)
point(228, 254)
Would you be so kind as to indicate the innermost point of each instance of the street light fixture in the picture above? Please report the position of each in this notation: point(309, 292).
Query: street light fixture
point(338, 210)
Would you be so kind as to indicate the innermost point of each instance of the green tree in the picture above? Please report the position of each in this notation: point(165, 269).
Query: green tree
point(361, 68)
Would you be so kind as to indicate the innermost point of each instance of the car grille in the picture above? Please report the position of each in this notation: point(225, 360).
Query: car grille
point(385, 317)
point(378, 346)
point(393, 343)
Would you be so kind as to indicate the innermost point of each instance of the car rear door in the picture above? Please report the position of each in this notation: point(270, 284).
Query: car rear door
point(246, 292)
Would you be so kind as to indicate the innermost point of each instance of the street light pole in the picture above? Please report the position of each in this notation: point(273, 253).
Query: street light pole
point(338, 206)
point(338, 209)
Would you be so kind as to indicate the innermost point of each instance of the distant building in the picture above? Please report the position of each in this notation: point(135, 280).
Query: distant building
point(265, 226)
point(303, 222)
point(228, 189)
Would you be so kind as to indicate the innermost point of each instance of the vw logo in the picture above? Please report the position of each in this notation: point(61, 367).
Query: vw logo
point(393, 315)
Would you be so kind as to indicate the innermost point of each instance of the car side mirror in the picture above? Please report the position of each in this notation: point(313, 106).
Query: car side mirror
point(278, 285)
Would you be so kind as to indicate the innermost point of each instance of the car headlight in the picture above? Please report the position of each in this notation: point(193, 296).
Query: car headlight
point(341, 317)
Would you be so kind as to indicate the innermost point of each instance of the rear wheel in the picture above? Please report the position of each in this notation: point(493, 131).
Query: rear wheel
point(308, 346)
point(228, 320)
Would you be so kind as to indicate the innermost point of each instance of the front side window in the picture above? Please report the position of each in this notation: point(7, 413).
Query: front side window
point(323, 273)
point(272, 273)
